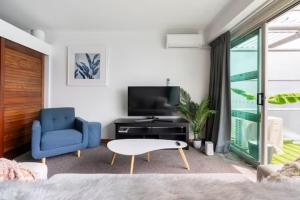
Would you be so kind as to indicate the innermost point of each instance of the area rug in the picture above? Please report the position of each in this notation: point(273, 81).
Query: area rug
point(97, 160)
point(149, 187)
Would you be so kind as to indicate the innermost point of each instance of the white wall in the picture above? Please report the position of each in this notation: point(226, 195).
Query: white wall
point(231, 16)
point(135, 58)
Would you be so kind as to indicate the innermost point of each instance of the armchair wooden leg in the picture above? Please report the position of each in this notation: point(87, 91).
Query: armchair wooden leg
point(44, 160)
point(78, 153)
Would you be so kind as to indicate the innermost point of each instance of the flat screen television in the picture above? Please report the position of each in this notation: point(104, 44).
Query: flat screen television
point(153, 101)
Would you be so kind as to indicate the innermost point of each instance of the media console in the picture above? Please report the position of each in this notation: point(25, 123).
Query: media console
point(172, 129)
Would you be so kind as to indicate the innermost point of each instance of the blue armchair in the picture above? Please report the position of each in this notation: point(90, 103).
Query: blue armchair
point(58, 132)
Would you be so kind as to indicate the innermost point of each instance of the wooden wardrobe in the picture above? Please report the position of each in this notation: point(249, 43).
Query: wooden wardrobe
point(21, 96)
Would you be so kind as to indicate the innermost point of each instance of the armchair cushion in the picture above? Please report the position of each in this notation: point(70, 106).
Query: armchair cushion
point(57, 119)
point(60, 138)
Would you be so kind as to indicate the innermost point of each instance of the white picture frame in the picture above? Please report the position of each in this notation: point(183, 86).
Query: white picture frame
point(87, 65)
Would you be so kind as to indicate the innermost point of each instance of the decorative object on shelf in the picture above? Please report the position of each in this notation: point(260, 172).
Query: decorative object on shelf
point(40, 34)
point(87, 66)
point(196, 113)
point(209, 148)
point(168, 81)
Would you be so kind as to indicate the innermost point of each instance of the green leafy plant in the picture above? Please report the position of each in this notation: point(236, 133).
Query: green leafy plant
point(243, 93)
point(196, 113)
point(286, 98)
point(279, 99)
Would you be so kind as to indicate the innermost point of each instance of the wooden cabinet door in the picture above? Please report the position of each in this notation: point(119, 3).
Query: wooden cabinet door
point(2, 47)
point(22, 96)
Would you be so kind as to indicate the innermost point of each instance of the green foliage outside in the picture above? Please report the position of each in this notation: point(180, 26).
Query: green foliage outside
point(279, 99)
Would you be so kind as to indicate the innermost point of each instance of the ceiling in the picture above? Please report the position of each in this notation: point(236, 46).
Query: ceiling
point(111, 14)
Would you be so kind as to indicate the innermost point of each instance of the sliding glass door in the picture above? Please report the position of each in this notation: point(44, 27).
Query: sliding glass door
point(246, 96)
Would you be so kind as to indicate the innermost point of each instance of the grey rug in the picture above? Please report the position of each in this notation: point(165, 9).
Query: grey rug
point(97, 160)
point(148, 187)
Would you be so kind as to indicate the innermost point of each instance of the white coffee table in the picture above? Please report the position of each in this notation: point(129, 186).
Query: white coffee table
point(133, 147)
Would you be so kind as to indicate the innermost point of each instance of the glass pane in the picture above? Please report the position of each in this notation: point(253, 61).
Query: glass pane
point(244, 79)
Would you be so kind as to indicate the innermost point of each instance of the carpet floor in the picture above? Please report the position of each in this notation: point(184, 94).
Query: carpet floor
point(97, 160)
point(149, 187)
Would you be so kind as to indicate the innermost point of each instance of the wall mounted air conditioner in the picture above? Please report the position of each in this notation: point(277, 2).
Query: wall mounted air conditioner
point(184, 41)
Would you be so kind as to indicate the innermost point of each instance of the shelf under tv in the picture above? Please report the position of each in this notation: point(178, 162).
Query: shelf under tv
point(165, 128)
point(154, 119)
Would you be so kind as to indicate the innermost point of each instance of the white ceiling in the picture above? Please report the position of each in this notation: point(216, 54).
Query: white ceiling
point(111, 14)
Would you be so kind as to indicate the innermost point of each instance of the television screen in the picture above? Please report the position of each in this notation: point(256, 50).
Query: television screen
point(153, 101)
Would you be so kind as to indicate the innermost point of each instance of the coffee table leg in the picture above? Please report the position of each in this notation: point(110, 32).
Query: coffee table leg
point(113, 159)
point(184, 158)
point(132, 165)
point(148, 156)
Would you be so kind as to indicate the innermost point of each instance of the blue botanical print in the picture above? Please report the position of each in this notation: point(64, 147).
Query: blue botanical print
point(85, 67)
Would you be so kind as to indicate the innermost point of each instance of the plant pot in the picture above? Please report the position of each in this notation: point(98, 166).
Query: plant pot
point(197, 144)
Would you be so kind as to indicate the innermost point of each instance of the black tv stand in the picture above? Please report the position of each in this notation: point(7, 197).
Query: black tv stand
point(155, 128)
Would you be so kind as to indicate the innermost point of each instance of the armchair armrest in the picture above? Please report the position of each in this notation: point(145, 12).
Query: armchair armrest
point(36, 139)
point(82, 126)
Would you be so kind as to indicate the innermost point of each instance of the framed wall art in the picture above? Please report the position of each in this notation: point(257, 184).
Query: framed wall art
point(87, 66)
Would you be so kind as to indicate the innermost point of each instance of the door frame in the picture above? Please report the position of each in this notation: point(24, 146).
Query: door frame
point(264, 17)
point(264, 88)
point(260, 87)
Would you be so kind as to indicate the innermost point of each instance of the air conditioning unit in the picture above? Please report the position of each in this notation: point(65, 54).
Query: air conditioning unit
point(184, 41)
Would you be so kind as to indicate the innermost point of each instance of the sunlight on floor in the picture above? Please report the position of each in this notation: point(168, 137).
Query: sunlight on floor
point(290, 153)
point(248, 173)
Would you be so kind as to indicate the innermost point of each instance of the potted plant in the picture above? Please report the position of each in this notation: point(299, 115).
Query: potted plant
point(195, 113)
